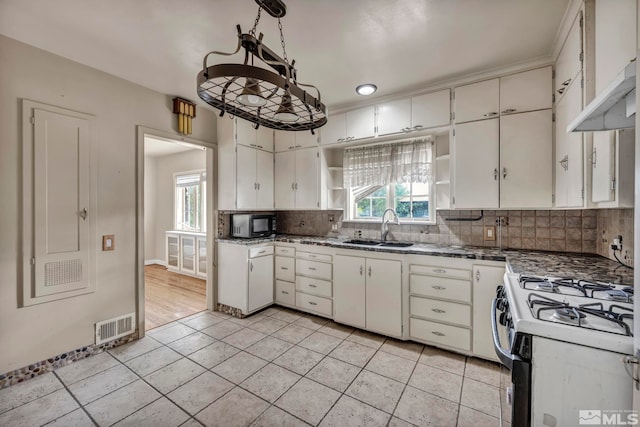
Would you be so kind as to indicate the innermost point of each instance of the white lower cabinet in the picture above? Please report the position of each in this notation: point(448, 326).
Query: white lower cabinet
point(313, 282)
point(485, 281)
point(285, 275)
point(368, 293)
point(245, 276)
point(186, 253)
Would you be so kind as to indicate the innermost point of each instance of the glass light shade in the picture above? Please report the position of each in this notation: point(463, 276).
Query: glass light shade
point(366, 89)
point(251, 95)
point(285, 112)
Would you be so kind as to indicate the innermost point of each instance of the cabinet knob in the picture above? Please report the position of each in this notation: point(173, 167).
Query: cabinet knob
point(509, 111)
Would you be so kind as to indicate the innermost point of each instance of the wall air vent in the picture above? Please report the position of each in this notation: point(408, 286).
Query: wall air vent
point(117, 327)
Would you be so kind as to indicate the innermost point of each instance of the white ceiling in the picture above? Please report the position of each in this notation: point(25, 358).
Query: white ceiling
point(156, 147)
point(397, 44)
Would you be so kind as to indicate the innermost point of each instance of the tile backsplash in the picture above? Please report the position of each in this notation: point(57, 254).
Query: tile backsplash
point(586, 231)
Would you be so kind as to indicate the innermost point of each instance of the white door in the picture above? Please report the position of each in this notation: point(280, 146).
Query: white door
point(431, 110)
point(307, 178)
point(394, 116)
point(306, 139)
point(569, 63)
point(349, 290)
point(264, 139)
point(61, 203)
point(335, 130)
point(384, 296)
point(285, 180)
point(361, 123)
point(526, 91)
point(284, 141)
point(569, 150)
point(525, 160)
point(260, 282)
point(485, 281)
point(245, 133)
point(264, 178)
point(246, 182)
point(477, 101)
point(475, 165)
point(603, 167)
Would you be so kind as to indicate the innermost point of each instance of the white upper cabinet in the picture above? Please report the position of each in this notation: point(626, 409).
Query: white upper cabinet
point(335, 130)
point(527, 91)
point(297, 177)
point(569, 62)
point(264, 180)
point(354, 124)
point(246, 134)
point(477, 101)
point(525, 160)
point(285, 178)
point(291, 140)
point(414, 114)
point(603, 167)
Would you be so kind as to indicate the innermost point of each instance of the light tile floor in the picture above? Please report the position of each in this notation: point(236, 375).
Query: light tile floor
point(275, 368)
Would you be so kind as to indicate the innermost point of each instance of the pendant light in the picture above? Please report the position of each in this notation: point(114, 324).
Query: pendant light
point(271, 96)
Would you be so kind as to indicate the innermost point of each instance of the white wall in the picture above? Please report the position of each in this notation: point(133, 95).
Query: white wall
point(150, 207)
point(34, 333)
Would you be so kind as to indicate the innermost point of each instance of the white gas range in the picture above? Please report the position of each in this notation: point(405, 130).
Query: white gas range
point(564, 341)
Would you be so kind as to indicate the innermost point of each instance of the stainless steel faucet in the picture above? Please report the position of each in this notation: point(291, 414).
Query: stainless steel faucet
point(384, 228)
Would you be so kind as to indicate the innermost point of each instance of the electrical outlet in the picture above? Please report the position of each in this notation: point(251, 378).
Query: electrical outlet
point(489, 233)
point(332, 218)
point(301, 223)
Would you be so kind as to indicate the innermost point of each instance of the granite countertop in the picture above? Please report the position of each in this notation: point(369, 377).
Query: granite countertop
point(542, 263)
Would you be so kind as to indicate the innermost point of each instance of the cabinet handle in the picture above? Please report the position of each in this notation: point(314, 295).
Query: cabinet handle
point(509, 111)
point(491, 114)
point(438, 288)
point(258, 186)
point(436, 333)
point(298, 146)
point(296, 185)
point(312, 268)
point(407, 129)
point(311, 285)
point(83, 214)
point(313, 303)
point(437, 310)
point(565, 162)
point(561, 90)
point(504, 173)
point(285, 292)
point(418, 127)
point(439, 270)
point(255, 185)
point(349, 138)
point(340, 139)
point(369, 271)
point(566, 82)
point(495, 174)
point(259, 146)
point(291, 147)
point(312, 256)
point(284, 268)
point(293, 187)
point(478, 275)
point(361, 270)
point(594, 157)
point(250, 266)
point(261, 252)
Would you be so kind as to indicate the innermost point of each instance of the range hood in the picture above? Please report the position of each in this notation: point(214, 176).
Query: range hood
point(614, 108)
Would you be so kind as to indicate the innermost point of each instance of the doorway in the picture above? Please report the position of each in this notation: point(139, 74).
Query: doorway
point(176, 260)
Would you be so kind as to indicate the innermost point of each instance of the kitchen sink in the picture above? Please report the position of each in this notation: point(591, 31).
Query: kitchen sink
point(363, 242)
point(396, 244)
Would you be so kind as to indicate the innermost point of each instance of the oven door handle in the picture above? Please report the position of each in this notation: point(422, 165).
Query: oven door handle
point(505, 357)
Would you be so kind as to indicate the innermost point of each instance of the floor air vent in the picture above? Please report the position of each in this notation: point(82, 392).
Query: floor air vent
point(111, 329)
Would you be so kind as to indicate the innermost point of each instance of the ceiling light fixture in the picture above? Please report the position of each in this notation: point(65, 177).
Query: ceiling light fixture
point(366, 89)
point(259, 95)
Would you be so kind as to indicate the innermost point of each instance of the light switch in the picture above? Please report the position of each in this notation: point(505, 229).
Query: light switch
point(490, 232)
point(108, 242)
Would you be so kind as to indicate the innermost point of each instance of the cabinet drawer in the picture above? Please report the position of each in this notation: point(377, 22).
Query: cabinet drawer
point(314, 286)
point(440, 287)
point(314, 257)
point(285, 292)
point(311, 302)
point(454, 273)
point(260, 251)
point(437, 333)
point(442, 311)
point(319, 270)
point(285, 268)
point(285, 251)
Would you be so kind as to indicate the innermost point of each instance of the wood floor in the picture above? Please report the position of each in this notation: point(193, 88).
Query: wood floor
point(170, 296)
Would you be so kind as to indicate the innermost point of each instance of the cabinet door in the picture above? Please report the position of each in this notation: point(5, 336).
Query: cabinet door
point(173, 251)
point(285, 177)
point(394, 116)
point(569, 151)
point(201, 256)
point(603, 167)
point(360, 123)
point(245, 133)
point(384, 296)
point(525, 160)
point(485, 281)
point(477, 101)
point(349, 290)
point(246, 182)
point(264, 178)
point(264, 139)
point(307, 178)
point(526, 91)
point(569, 63)
point(431, 110)
point(284, 141)
point(188, 254)
point(306, 139)
point(335, 130)
point(260, 282)
point(475, 165)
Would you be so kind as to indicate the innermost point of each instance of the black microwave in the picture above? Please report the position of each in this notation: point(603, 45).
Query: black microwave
point(249, 226)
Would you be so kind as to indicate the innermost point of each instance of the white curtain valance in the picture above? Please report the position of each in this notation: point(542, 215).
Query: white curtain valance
point(408, 161)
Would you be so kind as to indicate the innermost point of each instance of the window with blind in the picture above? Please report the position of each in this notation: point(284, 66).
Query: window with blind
point(190, 201)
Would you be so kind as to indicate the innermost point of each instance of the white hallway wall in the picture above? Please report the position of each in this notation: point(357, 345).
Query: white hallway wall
point(34, 333)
